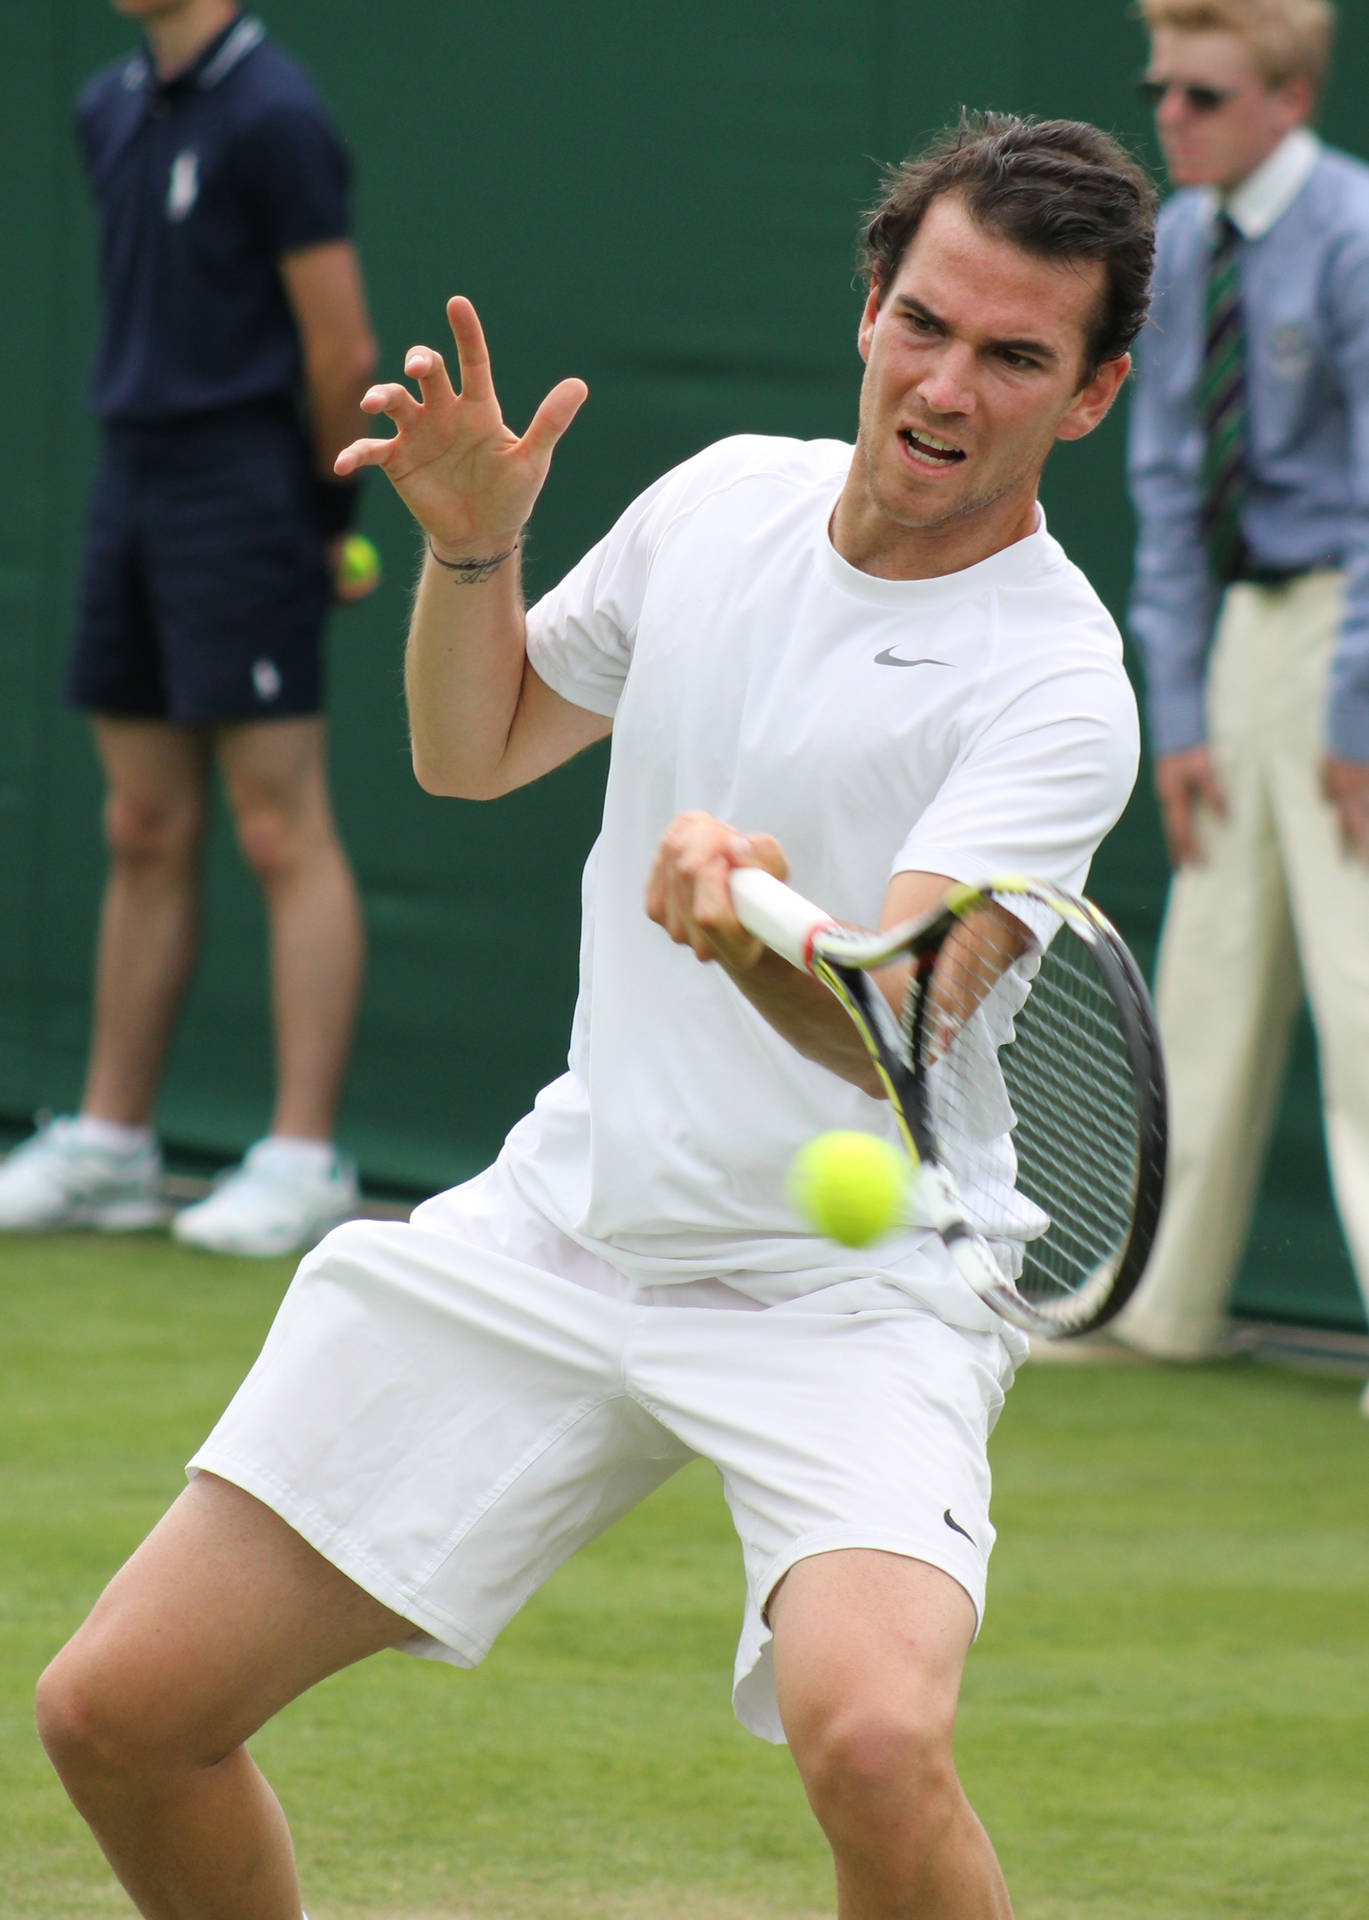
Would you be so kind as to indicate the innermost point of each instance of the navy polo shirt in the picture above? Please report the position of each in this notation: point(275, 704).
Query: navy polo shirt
point(201, 183)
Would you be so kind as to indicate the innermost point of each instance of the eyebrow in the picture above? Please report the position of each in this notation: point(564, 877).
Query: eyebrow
point(919, 310)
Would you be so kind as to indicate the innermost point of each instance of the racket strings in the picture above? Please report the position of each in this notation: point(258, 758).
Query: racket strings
point(1033, 1100)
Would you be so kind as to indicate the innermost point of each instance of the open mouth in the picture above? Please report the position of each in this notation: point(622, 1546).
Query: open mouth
point(927, 447)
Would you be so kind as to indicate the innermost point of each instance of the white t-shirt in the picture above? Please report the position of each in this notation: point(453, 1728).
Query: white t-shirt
point(968, 725)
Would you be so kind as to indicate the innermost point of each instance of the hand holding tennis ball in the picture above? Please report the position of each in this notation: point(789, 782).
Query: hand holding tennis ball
point(850, 1186)
point(358, 568)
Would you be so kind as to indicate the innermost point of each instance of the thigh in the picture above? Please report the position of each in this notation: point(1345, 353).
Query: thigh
point(1330, 898)
point(275, 766)
point(1227, 961)
point(1328, 887)
point(237, 571)
point(444, 1418)
point(154, 768)
point(868, 1630)
point(1227, 983)
point(221, 1617)
point(833, 1431)
point(114, 665)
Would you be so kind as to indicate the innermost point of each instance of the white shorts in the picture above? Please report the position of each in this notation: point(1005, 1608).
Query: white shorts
point(447, 1409)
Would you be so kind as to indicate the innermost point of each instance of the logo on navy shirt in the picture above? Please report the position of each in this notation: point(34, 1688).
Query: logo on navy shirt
point(183, 187)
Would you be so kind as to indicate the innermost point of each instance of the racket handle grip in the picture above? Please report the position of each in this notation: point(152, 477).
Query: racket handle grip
point(783, 919)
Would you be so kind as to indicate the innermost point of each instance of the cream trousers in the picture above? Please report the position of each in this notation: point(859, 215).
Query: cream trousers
point(1276, 910)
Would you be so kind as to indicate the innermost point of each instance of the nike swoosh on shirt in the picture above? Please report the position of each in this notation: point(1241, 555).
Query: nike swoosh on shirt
point(891, 659)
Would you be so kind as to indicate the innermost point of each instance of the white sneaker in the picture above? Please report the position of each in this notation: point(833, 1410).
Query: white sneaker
point(270, 1204)
point(56, 1178)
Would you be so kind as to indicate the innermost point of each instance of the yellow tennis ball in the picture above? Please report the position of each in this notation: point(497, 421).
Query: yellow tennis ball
point(360, 561)
point(850, 1186)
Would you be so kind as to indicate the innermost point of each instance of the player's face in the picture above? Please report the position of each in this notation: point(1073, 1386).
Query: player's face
point(974, 368)
point(1218, 145)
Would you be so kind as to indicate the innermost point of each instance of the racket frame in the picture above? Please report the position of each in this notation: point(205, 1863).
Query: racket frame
point(841, 957)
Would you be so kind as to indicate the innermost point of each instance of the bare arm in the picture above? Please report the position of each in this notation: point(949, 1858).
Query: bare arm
point(688, 894)
point(328, 303)
point(481, 721)
point(323, 287)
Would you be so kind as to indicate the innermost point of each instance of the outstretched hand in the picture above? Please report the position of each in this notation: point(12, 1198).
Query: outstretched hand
point(466, 477)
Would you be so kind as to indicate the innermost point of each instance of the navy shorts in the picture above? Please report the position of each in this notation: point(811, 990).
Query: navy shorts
point(205, 584)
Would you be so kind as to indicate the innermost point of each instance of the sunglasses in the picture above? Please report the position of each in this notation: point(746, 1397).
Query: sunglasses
point(1198, 99)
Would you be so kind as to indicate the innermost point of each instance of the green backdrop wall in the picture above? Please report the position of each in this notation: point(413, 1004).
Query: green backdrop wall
point(663, 200)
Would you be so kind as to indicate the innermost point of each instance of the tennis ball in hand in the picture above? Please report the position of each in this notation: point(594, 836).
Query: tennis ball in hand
point(850, 1186)
point(360, 562)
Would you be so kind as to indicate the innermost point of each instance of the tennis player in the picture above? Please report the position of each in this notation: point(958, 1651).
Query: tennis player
point(871, 662)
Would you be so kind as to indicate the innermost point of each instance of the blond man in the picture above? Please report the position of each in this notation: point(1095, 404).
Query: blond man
point(1249, 469)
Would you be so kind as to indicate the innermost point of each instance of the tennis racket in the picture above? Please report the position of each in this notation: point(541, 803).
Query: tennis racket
point(1026, 1077)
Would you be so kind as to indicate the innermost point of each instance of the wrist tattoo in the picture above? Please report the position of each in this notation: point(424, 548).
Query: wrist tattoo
point(470, 573)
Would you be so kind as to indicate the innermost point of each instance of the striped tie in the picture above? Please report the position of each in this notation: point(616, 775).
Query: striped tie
point(1221, 398)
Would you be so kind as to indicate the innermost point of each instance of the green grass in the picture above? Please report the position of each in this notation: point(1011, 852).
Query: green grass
point(1165, 1717)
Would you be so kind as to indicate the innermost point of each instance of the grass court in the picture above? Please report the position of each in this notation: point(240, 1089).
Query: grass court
point(1165, 1718)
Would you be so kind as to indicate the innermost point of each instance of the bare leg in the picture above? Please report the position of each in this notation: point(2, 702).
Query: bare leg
point(155, 806)
point(276, 780)
point(221, 1617)
point(869, 1649)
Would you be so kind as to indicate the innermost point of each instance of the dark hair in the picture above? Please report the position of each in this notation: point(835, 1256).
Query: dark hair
point(1060, 189)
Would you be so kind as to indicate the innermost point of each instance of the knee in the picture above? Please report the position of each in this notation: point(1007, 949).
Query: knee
point(868, 1762)
point(149, 832)
point(267, 837)
point(277, 841)
point(112, 1721)
point(87, 1725)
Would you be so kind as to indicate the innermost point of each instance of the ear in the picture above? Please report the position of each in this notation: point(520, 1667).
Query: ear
point(1093, 399)
point(1295, 102)
point(866, 331)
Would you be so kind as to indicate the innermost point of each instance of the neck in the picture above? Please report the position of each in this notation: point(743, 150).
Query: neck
point(179, 31)
point(868, 538)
